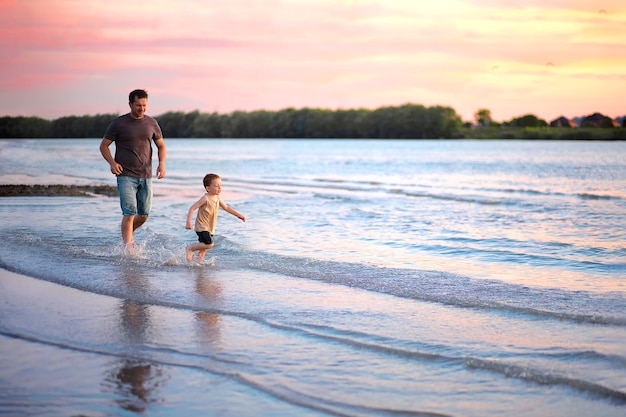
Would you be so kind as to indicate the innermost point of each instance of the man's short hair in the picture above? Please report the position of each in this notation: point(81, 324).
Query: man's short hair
point(137, 94)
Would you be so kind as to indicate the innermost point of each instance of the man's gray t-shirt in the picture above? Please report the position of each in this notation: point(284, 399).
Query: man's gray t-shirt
point(133, 143)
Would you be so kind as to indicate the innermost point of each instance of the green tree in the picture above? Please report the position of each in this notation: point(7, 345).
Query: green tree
point(483, 117)
point(529, 120)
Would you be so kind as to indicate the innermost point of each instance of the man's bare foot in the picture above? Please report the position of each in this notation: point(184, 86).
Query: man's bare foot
point(130, 249)
point(188, 254)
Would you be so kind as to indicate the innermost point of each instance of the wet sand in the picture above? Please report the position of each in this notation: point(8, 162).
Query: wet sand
point(46, 370)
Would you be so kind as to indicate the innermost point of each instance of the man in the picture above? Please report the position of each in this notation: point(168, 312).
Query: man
point(133, 134)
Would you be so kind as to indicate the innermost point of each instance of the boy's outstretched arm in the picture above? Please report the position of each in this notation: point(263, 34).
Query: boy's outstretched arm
point(232, 211)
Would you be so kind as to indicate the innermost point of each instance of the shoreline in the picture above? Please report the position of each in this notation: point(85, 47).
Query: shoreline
point(56, 190)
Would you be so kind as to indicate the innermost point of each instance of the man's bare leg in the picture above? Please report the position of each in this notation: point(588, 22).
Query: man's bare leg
point(138, 221)
point(129, 225)
point(127, 229)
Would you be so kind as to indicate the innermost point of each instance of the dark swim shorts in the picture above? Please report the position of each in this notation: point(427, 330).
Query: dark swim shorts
point(205, 237)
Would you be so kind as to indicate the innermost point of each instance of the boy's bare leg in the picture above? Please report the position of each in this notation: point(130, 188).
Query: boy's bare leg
point(200, 247)
point(202, 252)
point(188, 253)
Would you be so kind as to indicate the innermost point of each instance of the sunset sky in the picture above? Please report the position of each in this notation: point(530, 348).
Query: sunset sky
point(543, 57)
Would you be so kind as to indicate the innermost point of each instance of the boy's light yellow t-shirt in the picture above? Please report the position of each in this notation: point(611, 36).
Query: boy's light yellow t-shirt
point(207, 215)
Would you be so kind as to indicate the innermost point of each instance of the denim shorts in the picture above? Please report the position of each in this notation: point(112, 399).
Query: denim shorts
point(135, 195)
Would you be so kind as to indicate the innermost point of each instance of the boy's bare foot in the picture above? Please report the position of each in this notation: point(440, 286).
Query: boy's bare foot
point(188, 254)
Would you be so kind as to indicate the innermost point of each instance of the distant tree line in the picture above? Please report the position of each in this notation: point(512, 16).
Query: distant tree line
point(401, 122)
point(409, 121)
point(63, 127)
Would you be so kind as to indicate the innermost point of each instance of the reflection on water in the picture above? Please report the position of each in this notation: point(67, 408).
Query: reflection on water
point(135, 321)
point(135, 381)
point(136, 384)
point(210, 291)
point(134, 316)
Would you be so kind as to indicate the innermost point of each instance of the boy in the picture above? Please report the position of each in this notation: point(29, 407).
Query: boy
point(206, 219)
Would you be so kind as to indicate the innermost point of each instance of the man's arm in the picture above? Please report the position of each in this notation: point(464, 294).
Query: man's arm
point(160, 144)
point(116, 169)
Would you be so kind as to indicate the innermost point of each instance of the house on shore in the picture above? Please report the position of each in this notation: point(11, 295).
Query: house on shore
point(594, 120)
point(561, 121)
point(597, 120)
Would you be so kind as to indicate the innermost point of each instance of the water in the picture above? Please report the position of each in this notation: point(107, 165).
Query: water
point(372, 278)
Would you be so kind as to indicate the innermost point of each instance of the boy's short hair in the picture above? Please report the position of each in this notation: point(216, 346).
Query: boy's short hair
point(138, 94)
point(208, 179)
